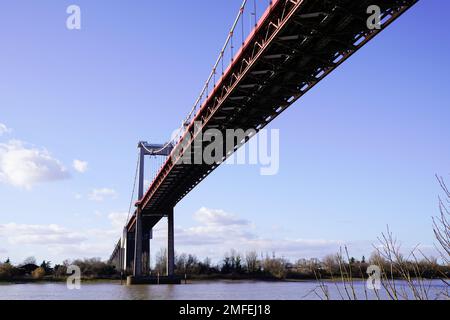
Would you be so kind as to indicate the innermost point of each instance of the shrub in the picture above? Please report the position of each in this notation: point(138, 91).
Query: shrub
point(94, 268)
point(39, 273)
point(7, 271)
point(275, 267)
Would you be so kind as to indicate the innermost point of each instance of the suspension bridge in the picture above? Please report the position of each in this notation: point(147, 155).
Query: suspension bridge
point(261, 70)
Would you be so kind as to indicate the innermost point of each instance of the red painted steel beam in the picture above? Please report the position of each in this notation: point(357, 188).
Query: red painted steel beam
point(279, 21)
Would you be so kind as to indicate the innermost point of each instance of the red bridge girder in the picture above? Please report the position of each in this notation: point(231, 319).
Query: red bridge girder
point(296, 44)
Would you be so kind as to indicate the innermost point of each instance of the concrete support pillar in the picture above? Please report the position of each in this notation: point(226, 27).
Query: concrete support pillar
point(150, 250)
point(170, 245)
point(122, 260)
point(146, 252)
point(123, 255)
point(138, 245)
point(141, 172)
point(129, 251)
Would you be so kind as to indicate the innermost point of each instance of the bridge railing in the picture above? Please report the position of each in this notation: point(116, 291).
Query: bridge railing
point(244, 25)
point(258, 40)
point(240, 60)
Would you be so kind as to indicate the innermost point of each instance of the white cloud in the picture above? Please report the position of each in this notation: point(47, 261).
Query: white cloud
point(58, 243)
point(4, 129)
point(118, 219)
point(218, 232)
point(102, 194)
point(218, 217)
point(98, 214)
point(23, 166)
point(25, 234)
point(101, 249)
point(80, 166)
point(209, 238)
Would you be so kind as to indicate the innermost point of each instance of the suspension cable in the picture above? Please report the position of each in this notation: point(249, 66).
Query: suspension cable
point(230, 35)
point(205, 88)
point(134, 188)
point(204, 91)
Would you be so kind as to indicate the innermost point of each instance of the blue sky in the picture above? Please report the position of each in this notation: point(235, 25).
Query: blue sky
point(358, 152)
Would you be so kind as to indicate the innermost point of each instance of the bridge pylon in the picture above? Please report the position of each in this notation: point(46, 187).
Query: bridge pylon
point(134, 251)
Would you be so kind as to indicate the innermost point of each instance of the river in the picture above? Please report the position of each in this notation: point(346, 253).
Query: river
point(211, 290)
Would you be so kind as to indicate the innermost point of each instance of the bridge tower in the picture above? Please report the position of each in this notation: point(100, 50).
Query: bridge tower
point(136, 243)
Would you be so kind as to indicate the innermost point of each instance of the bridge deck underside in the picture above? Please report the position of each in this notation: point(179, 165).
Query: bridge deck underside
point(295, 46)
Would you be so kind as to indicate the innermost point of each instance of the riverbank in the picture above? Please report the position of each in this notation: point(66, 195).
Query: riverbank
point(195, 279)
point(28, 280)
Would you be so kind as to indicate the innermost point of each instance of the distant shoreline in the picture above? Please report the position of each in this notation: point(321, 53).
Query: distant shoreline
point(189, 280)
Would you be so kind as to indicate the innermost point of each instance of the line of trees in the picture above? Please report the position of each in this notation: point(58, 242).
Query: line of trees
point(387, 256)
point(234, 265)
point(29, 270)
point(260, 266)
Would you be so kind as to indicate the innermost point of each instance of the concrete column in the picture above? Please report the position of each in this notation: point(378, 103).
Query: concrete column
point(141, 172)
point(122, 260)
point(138, 245)
point(146, 251)
point(124, 250)
point(129, 251)
point(150, 250)
point(170, 245)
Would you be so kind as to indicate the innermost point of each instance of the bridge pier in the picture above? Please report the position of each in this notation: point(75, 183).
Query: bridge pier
point(141, 253)
point(170, 245)
point(146, 251)
point(137, 246)
point(127, 256)
point(123, 251)
point(137, 270)
point(129, 251)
